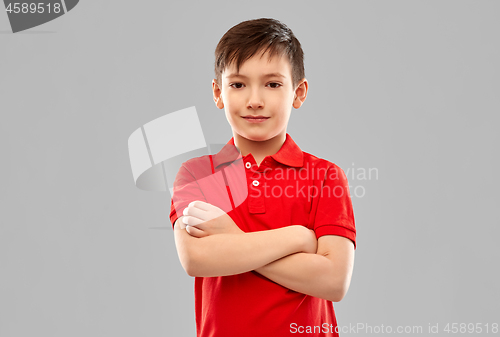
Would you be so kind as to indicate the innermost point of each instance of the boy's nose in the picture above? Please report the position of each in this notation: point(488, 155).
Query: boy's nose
point(255, 101)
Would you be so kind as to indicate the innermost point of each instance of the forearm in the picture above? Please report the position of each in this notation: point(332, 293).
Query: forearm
point(229, 254)
point(310, 274)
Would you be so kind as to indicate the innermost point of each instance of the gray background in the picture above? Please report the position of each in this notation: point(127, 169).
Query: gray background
point(408, 87)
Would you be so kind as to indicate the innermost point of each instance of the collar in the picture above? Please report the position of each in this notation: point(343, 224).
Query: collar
point(289, 154)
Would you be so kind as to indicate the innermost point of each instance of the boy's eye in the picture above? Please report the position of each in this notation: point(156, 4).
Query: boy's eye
point(274, 87)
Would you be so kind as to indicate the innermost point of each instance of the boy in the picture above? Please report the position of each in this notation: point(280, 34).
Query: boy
point(273, 264)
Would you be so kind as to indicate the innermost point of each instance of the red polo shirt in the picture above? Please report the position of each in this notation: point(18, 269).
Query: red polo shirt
point(291, 187)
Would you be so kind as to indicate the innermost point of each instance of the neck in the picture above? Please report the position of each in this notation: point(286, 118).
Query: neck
point(259, 149)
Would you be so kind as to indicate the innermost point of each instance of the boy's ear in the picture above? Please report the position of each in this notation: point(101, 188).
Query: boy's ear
point(217, 94)
point(300, 94)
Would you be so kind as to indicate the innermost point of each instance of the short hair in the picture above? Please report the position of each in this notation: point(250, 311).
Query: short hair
point(244, 40)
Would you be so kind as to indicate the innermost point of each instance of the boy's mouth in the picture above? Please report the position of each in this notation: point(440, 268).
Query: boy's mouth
point(255, 119)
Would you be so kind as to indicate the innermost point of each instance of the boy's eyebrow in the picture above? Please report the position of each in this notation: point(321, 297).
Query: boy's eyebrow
point(263, 76)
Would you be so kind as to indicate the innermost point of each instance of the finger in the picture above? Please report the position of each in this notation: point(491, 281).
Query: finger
point(179, 223)
point(211, 210)
point(191, 220)
point(208, 207)
point(205, 226)
point(193, 231)
point(200, 204)
point(196, 212)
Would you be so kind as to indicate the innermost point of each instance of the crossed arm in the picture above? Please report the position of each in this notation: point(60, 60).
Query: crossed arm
point(290, 256)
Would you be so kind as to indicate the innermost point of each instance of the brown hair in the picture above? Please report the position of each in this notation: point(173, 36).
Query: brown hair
point(244, 40)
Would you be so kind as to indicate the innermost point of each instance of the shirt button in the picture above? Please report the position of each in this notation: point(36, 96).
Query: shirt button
point(255, 183)
point(248, 165)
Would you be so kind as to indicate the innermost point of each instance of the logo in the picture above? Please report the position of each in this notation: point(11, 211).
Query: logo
point(28, 14)
point(170, 144)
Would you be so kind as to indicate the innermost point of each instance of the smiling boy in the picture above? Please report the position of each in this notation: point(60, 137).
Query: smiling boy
point(272, 265)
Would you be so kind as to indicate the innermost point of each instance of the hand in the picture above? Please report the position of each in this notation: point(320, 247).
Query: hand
point(203, 219)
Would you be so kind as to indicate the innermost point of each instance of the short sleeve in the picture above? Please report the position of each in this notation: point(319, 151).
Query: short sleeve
point(185, 190)
point(334, 215)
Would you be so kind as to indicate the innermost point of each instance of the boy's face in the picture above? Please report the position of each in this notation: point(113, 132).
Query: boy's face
point(253, 92)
